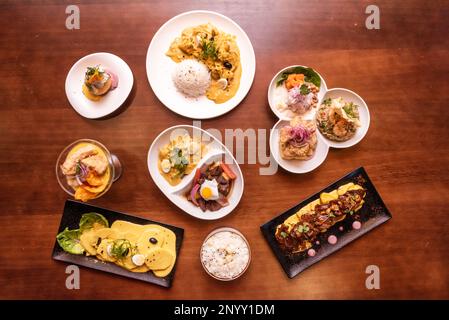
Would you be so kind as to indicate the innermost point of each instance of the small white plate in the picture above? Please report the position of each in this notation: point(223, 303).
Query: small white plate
point(216, 151)
point(110, 101)
point(275, 92)
point(160, 67)
point(297, 166)
point(349, 96)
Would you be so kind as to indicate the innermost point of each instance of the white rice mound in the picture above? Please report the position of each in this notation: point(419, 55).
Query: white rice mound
point(191, 78)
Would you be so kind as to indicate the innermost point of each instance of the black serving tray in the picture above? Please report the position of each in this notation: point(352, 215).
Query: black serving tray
point(372, 214)
point(73, 210)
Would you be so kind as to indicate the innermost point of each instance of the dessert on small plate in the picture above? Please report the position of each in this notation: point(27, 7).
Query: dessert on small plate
point(98, 84)
point(196, 172)
point(200, 64)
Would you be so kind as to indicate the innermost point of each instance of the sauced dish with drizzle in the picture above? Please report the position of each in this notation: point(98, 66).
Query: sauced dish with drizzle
point(298, 232)
point(215, 49)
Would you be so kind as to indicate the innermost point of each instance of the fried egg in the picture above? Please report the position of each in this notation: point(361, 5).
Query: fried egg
point(209, 190)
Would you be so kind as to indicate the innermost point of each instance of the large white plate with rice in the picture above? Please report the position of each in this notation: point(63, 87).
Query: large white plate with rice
point(160, 67)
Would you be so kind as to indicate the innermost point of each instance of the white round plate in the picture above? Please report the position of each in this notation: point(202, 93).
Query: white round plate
point(349, 96)
point(160, 67)
point(297, 166)
point(276, 93)
point(216, 151)
point(110, 101)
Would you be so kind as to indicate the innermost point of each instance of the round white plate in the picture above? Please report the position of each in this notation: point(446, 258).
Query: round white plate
point(110, 101)
point(160, 67)
point(297, 166)
point(216, 151)
point(349, 96)
point(275, 93)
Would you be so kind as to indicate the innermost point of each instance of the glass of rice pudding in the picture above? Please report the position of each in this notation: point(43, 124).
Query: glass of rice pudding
point(225, 254)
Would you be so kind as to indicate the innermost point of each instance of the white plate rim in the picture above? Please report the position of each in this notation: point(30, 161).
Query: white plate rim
point(246, 38)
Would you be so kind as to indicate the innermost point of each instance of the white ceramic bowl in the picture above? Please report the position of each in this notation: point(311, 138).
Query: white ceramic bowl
point(274, 91)
point(160, 67)
point(216, 151)
point(222, 229)
point(112, 100)
point(297, 166)
point(349, 96)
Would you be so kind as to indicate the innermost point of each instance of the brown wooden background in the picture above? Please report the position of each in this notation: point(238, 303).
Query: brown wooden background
point(400, 70)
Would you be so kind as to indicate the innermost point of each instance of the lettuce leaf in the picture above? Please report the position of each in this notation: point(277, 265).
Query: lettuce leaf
point(69, 241)
point(89, 219)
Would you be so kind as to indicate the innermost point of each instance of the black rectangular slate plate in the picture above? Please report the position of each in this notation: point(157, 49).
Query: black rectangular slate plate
point(73, 210)
point(372, 214)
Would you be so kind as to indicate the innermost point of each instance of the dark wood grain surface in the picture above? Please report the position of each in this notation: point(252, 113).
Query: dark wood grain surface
point(400, 70)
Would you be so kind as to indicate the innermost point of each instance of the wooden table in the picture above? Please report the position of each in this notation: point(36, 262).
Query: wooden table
point(400, 70)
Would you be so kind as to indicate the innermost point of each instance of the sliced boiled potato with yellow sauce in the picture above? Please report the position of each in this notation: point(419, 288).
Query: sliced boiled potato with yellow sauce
point(163, 273)
point(102, 251)
point(145, 245)
point(126, 263)
point(125, 226)
point(159, 259)
point(159, 253)
point(90, 239)
point(141, 269)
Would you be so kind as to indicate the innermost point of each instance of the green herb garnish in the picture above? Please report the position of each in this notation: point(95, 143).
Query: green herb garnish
point(179, 162)
point(304, 90)
point(121, 248)
point(283, 234)
point(309, 75)
point(209, 49)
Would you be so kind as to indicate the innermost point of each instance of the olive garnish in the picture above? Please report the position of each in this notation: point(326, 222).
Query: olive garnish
point(153, 240)
point(227, 65)
point(98, 241)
